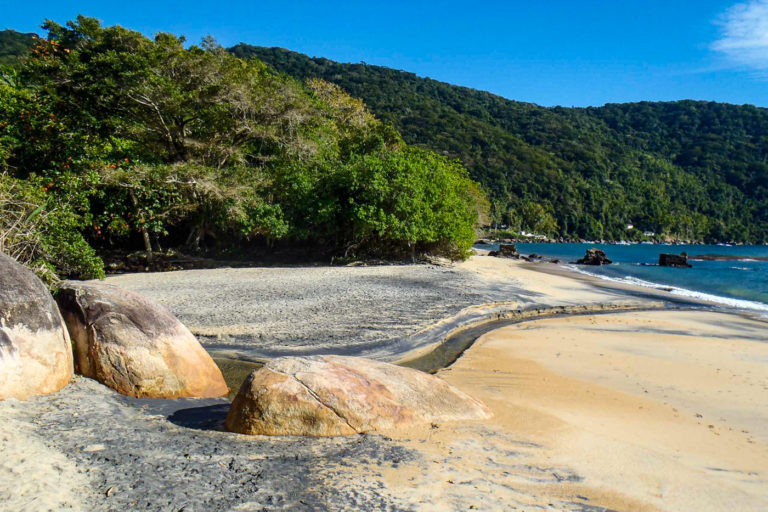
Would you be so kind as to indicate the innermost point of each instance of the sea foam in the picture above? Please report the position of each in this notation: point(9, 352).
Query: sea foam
point(708, 297)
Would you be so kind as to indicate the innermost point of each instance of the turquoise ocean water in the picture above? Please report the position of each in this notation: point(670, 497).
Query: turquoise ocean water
point(741, 282)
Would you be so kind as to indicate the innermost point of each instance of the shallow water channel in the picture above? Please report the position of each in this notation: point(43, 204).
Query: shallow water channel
point(443, 355)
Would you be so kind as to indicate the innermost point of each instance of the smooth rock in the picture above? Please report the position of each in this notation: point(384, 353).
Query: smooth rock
point(337, 395)
point(135, 346)
point(35, 351)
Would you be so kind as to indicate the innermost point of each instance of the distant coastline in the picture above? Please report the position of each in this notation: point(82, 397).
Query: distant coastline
point(487, 240)
point(733, 276)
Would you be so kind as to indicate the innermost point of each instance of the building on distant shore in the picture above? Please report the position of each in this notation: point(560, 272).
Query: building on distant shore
point(533, 235)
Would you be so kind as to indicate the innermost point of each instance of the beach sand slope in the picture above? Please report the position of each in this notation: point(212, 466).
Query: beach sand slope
point(668, 409)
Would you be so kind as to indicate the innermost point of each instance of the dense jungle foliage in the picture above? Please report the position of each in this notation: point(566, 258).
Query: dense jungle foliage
point(689, 170)
point(109, 139)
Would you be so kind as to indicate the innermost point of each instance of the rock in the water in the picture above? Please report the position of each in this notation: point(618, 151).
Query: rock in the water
point(134, 346)
point(674, 260)
point(594, 257)
point(508, 251)
point(35, 351)
point(336, 395)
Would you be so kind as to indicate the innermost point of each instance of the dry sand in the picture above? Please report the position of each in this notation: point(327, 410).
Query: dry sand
point(592, 413)
point(664, 409)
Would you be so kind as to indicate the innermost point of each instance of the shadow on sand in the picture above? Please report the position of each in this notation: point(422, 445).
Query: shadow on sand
point(210, 417)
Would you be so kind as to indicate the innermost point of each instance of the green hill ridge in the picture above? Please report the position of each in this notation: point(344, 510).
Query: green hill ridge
point(687, 169)
point(690, 170)
point(14, 44)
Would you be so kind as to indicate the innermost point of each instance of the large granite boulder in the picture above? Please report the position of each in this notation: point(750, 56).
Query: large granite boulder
point(674, 260)
point(594, 257)
point(336, 395)
point(135, 346)
point(35, 351)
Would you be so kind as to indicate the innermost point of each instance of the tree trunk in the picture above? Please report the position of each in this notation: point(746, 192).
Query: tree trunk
point(147, 243)
point(156, 241)
point(142, 229)
point(193, 240)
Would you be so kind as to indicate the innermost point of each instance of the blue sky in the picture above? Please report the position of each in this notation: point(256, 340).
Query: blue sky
point(550, 52)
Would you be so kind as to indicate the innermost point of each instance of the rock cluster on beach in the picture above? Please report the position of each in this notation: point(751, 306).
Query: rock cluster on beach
point(336, 395)
point(135, 346)
point(506, 251)
point(510, 251)
point(139, 349)
point(121, 339)
point(35, 353)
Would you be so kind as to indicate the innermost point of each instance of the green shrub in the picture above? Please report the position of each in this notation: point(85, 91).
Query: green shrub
point(43, 234)
point(410, 200)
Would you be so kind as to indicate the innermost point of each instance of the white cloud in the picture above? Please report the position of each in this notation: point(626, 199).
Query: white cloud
point(744, 35)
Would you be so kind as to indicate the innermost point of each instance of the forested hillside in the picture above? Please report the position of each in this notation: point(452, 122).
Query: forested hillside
point(689, 170)
point(111, 140)
point(14, 44)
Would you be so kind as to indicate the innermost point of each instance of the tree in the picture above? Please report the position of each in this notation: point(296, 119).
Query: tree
point(146, 141)
point(538, 219)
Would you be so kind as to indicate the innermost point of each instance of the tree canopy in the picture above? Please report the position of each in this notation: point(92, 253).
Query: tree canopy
point(110, 139)
point(150, 142)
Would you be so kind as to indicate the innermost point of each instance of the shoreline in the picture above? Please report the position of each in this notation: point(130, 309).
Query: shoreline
point(640, 272)
point(656, 290)
point(174, 453)
point(685, 294)
point(492, 240)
